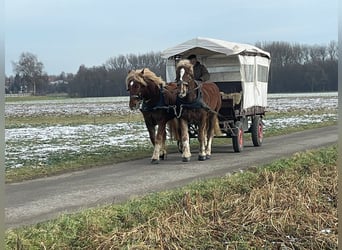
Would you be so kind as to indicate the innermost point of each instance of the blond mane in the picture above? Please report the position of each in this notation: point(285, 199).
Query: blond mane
point(144, 77)
point(184, 63)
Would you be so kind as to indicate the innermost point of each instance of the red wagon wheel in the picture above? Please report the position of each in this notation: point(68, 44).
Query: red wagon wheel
point(238, 139)
point(257, 130)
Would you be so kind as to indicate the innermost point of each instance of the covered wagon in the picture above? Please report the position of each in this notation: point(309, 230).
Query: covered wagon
point(241, 72)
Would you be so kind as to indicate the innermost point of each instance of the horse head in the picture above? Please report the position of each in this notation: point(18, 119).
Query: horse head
point(143, 85)
point(184, 78)
point(135, 85)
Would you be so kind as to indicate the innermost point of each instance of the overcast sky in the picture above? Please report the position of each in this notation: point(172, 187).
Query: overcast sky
point(64, 34)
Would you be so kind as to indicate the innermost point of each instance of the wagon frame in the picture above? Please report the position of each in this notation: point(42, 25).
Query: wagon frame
point(241, 72)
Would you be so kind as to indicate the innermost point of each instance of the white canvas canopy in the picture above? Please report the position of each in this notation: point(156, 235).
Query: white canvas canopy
point(227, 62)
point(200, 44)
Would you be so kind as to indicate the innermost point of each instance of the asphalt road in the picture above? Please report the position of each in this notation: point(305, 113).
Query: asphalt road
point(38, 200)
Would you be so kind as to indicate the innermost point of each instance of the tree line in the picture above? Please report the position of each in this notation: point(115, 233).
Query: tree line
point(294, 68)
point(109, 79)
point(302, 68)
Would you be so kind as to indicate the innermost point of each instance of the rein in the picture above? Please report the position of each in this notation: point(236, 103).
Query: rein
point(199, 85)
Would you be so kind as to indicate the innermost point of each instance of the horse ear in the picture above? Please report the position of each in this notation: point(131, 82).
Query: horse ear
point(142, 72)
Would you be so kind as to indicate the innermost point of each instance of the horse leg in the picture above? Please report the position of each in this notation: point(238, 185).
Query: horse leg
point(210, 135)
point(202, 139)
point(162, 153)
point(152, 133)
point(185, 141)
point(209, 143)
point(175, 132)
point(159, 145)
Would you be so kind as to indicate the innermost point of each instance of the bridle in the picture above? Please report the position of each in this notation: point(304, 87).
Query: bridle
point(137, 96)
point(181, 82)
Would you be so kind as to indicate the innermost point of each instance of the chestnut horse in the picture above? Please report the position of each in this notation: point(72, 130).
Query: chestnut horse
point(156, 100)
point(198, 103)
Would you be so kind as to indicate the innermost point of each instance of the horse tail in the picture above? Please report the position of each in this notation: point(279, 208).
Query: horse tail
point(174, 129)
point(217, 129)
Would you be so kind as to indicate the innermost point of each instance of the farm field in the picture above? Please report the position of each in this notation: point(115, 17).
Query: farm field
point(45, 133)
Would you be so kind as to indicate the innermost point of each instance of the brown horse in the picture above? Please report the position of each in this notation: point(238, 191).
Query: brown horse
point(198, 103)
point(155, 99)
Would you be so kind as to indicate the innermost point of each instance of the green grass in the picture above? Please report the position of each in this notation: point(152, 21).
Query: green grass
point(69, 120)
point(36, 98)
point(290, 203)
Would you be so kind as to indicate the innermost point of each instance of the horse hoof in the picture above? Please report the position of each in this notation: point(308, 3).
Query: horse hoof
point(154, 161)
point(163, 157)
point(202, 157)
point(186, 159)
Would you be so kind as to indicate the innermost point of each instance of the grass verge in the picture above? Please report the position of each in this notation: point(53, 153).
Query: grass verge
point(288, 204)
point(73, 162)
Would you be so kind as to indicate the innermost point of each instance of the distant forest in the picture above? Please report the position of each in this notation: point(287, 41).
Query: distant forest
point(294, 68)
point(302, 68)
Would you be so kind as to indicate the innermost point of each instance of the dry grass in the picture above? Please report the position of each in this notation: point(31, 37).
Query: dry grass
point(292, 209)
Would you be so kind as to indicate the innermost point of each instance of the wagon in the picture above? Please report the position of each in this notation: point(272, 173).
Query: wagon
point(241, 73)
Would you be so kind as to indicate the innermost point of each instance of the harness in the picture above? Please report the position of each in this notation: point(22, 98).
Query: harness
point(198, 103)
point(145, 107)
point(180, 105)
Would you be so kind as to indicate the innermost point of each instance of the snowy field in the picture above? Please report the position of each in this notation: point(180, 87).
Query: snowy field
point(72, 106)
point(38, 146)
point(302, 101)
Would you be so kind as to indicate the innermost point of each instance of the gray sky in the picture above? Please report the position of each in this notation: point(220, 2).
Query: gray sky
point(64, 34)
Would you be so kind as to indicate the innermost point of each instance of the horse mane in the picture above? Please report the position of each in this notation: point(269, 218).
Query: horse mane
point(186, 64)
point(144, 77)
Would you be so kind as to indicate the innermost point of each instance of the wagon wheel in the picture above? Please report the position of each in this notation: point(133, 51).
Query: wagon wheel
point(257, 131)
point(238, 138)
point(193, 130)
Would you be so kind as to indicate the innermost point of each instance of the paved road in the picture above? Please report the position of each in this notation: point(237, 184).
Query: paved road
point(38, 200)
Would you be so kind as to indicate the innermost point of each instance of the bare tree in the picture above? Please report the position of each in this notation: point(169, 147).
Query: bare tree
point(29, 69)
point(316, 53)
point(332, 50)
point(116, 63)
point(322, 52)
